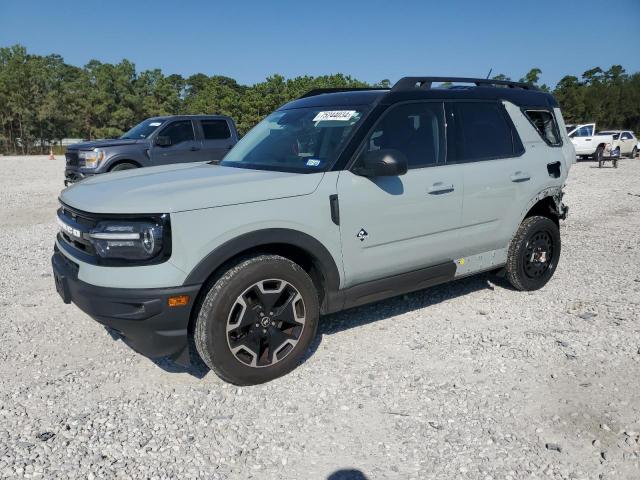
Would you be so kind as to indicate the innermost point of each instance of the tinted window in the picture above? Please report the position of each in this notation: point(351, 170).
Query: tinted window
point(545, 124)
point(584, 132)
point(416, 129)
point(215, 129)
point(626, 136)
point(477, 131)
point(180, 131)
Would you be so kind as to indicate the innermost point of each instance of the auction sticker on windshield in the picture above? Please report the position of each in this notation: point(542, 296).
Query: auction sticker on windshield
point(340, 115)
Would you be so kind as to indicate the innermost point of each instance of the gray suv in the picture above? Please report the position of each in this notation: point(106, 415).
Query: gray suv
point(155, 141)
point(337, 199)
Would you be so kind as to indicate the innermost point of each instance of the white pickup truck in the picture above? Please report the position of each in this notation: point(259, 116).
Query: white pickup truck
point(589, 144)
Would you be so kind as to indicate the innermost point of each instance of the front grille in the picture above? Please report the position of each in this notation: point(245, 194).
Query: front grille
point(72, 158)
point(82, 222)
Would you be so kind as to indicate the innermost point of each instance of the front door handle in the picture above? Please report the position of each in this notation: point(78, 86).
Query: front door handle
point(194, 149)
point(520, 177)
point(440, 188)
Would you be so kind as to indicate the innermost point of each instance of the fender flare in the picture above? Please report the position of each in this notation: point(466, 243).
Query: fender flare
point(119, 159)
point(263, 238)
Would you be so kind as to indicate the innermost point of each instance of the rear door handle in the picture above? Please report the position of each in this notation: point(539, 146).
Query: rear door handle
point(520, 177)
point(440, 188)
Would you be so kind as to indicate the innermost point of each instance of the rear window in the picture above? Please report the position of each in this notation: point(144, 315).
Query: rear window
point(478, 131)
point(545, 123)
point(215, 129)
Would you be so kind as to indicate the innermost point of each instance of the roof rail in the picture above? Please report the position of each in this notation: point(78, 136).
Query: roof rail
point(409, 83)
point(320, 91)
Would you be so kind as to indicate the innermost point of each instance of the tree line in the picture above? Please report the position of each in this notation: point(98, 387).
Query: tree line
point(43, 99)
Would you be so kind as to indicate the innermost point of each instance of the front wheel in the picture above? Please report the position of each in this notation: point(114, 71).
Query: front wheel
point(634, 152)
point(257, 320)
point(533, 254)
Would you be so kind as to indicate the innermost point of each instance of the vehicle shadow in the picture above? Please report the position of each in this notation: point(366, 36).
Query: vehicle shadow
point(360, 316)
point(347, 474)
point(366, 314)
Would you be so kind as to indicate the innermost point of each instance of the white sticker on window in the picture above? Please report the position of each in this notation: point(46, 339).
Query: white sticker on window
point(339, 115)
point(312, 162)
point(155, 124)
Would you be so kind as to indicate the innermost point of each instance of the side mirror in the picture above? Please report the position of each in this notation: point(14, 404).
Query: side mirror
point(386, 162)
point(163, 141)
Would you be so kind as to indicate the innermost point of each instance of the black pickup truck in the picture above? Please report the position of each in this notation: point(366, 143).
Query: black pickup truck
point(155, 141)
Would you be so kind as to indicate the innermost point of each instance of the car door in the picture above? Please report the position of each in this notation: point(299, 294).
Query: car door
point(499, 178)
point(393, 225)
point(626, 143)
point(582, 139)
point(181, 145)
point(216, 138)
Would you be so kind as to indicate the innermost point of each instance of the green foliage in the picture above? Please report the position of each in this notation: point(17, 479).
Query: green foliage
point(42, 99)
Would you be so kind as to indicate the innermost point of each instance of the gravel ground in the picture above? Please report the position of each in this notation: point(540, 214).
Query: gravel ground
point(467, 380)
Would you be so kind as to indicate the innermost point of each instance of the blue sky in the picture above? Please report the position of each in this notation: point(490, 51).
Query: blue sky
point(371, 40)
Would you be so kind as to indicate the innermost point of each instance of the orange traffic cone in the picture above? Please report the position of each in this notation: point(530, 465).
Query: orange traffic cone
point(51, 157)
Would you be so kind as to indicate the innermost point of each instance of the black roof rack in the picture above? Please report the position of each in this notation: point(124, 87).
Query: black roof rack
point(320, 91)
point(409, 83)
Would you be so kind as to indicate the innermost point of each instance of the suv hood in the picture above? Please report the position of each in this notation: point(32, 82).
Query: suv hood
point(186, 186)
point(113, 142)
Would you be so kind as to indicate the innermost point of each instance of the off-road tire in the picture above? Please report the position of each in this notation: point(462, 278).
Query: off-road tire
point(516, 261)
point(210, 333)
point(123, 166)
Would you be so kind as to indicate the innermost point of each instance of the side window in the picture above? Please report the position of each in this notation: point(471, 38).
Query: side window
point(626, 136)
point(545, 123)
point(215, 129)
point(178, 132)
point(416, 129)
point(478, 131)
point(584, 132)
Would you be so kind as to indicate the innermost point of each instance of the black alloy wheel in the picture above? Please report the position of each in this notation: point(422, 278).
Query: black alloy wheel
point(257, 319)
point(266, 322)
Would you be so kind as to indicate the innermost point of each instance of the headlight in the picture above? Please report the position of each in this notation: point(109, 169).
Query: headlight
point(128, 240)
point(93, 158)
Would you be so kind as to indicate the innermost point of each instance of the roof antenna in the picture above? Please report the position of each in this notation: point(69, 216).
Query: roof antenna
point(489, 74)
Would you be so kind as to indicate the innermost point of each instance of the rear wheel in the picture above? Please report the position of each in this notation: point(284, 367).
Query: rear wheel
point(257, 320)
point(533, 253)
point(123, 166)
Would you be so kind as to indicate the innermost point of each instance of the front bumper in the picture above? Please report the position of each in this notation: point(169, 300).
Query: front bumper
point(74, 174)
point(142, 317)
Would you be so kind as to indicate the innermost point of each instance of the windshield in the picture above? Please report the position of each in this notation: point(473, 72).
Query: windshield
point(143, 129)
point(304, 140)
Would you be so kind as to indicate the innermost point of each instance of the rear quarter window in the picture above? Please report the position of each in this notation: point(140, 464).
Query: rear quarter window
point(545, 124)
point(215, 129)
